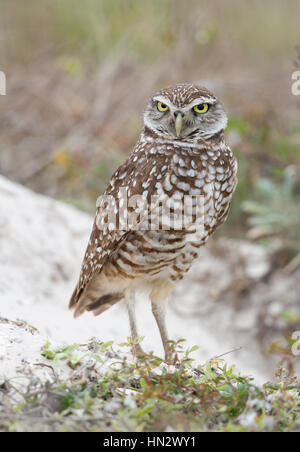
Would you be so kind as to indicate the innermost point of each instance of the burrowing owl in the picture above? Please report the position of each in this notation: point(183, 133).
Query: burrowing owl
point(181, 152)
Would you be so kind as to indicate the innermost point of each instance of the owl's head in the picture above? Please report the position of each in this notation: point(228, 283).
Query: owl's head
point(185, 112)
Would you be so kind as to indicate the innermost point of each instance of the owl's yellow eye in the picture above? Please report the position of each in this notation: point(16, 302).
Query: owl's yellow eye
point(162, 107)
point(201, 108)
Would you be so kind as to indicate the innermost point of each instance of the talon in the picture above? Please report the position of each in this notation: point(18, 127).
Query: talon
point(138, 351)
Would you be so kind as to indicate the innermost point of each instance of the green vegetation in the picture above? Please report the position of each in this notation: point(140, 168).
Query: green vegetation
point(108, 393)
point(278, 212)
point(266, 203)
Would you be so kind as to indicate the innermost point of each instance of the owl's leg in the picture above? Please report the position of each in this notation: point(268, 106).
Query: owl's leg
point(130, 302)
point(159, 311)
point(159, 300)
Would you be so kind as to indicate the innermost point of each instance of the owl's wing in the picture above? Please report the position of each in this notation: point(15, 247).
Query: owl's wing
point(134, 177)
point(228, 182)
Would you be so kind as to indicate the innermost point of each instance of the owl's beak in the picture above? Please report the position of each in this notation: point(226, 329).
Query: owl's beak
point(178, 124)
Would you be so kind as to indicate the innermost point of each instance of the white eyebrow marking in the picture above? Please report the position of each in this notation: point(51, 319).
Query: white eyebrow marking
point(202, 100)
point(164, 100)
point(199, 100)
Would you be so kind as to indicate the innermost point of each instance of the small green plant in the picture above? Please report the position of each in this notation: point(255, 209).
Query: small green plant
point(118, 393)
point(65, 352)
point(277, 213)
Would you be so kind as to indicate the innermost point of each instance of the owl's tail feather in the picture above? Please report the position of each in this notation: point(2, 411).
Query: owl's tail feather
point(81, 302)
point(104, 302)
point(75, 298)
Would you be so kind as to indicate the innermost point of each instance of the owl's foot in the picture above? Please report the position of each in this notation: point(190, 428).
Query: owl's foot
point(137, 351)
point(171, 356)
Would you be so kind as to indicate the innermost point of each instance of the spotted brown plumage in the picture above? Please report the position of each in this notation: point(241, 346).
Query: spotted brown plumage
point(179, 153)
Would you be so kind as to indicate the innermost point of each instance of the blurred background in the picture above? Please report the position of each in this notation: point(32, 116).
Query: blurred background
point(79, 75)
